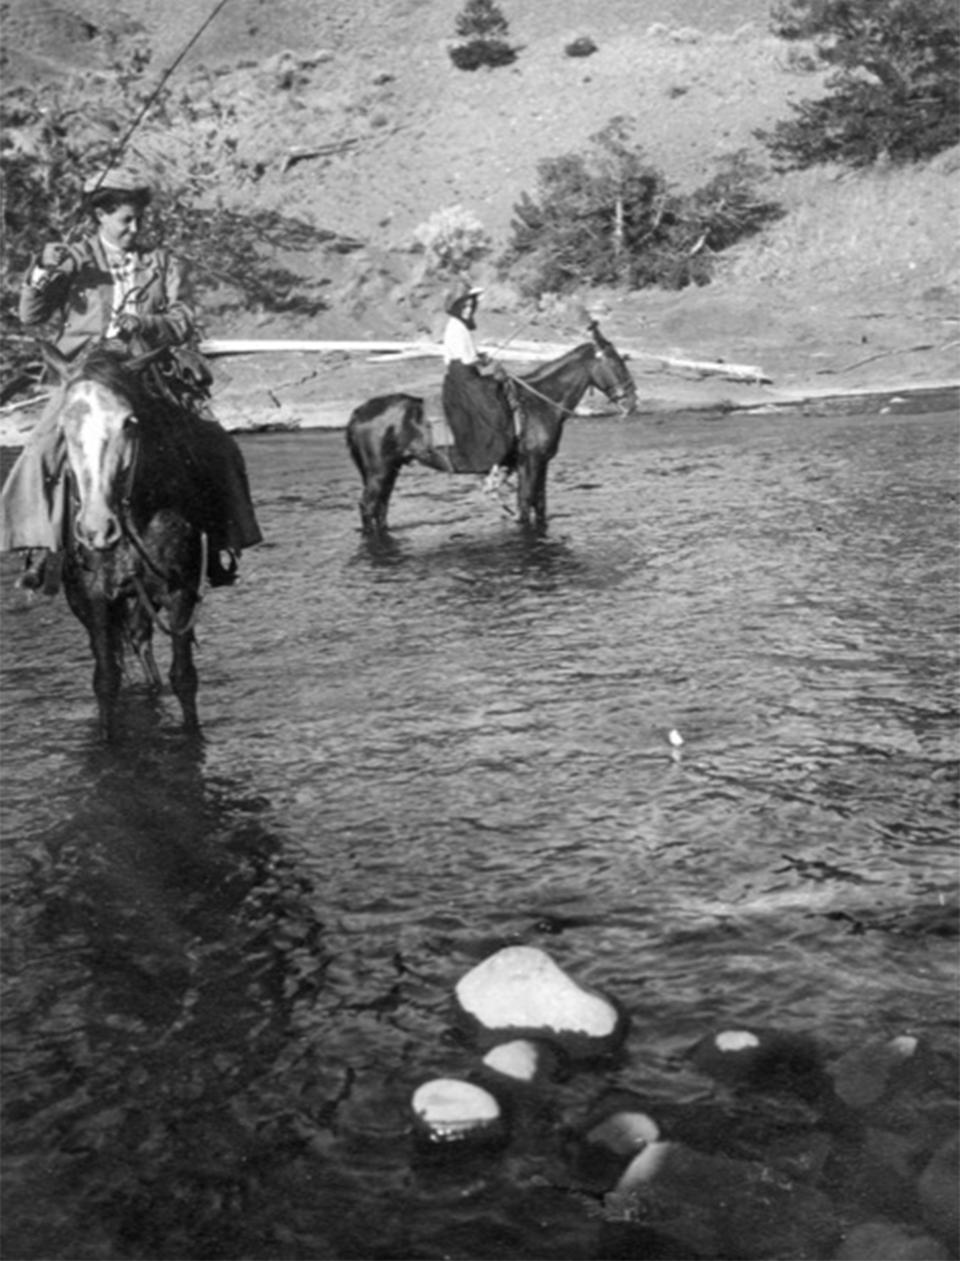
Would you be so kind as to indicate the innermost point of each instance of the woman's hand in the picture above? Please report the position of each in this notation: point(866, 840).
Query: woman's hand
point(128, 326)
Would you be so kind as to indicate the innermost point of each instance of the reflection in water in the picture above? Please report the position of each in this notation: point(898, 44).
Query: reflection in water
point(161, 947)
point(228, 964)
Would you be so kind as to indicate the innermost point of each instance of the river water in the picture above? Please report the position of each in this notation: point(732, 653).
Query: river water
point(228, 964)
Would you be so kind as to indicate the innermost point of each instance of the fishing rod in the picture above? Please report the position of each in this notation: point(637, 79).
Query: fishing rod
point(118, 151)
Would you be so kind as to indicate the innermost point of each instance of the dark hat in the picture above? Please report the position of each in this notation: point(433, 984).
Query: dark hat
point(116, 179)
point(458, 298)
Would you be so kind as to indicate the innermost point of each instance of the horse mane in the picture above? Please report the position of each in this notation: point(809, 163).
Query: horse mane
point(111, 368)
point(548, 369)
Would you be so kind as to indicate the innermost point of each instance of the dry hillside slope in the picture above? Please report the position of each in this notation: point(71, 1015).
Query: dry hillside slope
point(843, 292)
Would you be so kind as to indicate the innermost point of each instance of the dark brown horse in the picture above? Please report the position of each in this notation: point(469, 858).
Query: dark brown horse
point(392, 430)
point(133, 552)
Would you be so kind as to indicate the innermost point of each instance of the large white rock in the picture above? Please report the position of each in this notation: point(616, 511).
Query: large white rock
point(521, 989)
point(449, 1110)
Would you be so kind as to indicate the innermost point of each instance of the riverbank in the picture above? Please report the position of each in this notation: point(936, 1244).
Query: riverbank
point(661, 396)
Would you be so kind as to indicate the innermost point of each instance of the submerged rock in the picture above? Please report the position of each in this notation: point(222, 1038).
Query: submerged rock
point(447, 1110)
point(764, 1060)
point(865, 1075)
point(720, 1207)
point(937, 1191)
point(623, 1133)
point(614, 1130)
point(888, 1241)
point(522, 991)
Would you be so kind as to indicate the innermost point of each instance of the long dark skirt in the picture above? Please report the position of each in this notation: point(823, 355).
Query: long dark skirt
point(34, 494)
point(479, 417)
point(227, 512)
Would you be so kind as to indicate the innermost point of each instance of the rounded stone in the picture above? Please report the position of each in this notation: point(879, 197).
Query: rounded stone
point(624, 1133)
point(522, 990)
point(449, 1110)
point(519, 1059)
point(764, 1059)
point(868, 1073)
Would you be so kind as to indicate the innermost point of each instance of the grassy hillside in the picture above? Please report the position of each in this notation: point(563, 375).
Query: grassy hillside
point(402, 133)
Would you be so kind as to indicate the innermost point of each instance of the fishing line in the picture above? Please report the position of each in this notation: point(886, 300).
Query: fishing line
point(117, 151)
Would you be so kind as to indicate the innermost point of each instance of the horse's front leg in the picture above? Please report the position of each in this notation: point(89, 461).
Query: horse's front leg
point(532, 492)
point(524, 492)
point(141, 637)
point(184, 679)
point(104, 626)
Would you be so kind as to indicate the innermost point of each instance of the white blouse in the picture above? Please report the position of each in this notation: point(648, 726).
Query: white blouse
point(458, 342)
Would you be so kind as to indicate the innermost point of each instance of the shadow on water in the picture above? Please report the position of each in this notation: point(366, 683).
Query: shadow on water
point(159, 946)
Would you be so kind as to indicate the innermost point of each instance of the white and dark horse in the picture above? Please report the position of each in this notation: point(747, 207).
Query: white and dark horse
point(133, 548)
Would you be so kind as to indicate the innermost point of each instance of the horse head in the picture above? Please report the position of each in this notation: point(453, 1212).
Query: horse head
point(609, 372)
point(97, 416)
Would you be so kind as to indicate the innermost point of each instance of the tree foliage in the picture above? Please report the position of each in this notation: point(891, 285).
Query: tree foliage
point(52, 141)
point(483, 27)
point(895, 86)
point(608, 216)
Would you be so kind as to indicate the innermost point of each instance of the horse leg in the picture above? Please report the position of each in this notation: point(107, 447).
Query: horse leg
point(140, 627)
point(375, 500)
point(106, 642)
point(540, 495)
point(183, 672)
point(532, 491)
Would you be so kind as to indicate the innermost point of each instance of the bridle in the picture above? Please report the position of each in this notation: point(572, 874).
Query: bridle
point(618, 392)
point(621, 389)
point(130, 534)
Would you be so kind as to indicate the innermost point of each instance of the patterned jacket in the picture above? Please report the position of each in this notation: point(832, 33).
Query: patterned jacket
point(80, 292)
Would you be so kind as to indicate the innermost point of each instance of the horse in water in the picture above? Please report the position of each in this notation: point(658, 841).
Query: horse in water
point(133, 552)
point(392, 430)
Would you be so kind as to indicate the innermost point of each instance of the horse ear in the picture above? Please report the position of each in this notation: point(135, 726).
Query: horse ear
point(55, 362)
point(593, 328)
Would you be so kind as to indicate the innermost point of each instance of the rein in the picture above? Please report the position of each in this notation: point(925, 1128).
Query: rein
point(616, 395)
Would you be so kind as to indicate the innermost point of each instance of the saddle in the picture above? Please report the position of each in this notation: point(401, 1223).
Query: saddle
point(179, 376)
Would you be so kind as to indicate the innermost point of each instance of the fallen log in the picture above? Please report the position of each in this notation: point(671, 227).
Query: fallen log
point(302, 153)
point(396, 352)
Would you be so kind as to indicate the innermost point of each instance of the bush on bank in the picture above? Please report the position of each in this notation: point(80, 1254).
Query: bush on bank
point(609, 217)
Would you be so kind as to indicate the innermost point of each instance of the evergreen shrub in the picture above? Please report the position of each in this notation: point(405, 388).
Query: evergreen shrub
point(895, 90)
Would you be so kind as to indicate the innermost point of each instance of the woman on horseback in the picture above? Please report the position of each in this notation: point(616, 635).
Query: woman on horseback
point(476, 405)
point(106, 286)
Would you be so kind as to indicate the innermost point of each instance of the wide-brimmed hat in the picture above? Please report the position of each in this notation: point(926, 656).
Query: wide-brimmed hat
point(117, 179)
point(457, 298)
